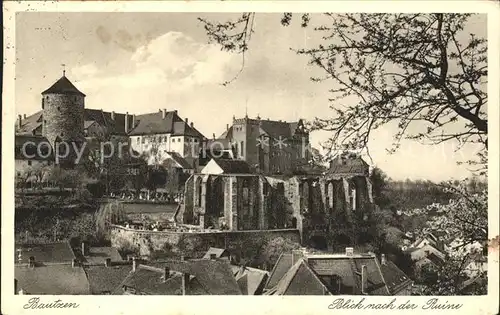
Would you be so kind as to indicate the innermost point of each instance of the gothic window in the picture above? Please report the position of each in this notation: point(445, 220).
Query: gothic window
point(198, 190)
point(352, 197)
point(330, 194)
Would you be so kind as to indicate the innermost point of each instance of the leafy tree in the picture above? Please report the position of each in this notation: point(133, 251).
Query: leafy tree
point(379, 181)
point(274, 247)
point(420, 71)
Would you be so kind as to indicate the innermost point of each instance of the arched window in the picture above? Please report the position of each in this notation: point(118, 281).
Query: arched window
point(330, 194)
point(198, 191)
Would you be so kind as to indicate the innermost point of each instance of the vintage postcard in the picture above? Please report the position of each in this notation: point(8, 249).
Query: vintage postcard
point(334, 156)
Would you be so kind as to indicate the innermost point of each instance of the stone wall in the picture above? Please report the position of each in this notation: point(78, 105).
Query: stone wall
point(243, 243)
point(63, 117)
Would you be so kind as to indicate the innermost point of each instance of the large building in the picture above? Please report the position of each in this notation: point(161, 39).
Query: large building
point(64, 118)
point(268, 146)
point(226, 195)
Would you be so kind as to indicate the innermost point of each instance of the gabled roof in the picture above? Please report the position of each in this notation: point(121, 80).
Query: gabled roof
point(349, 270)
point(232, 166)
point(154, 123)
point(348, 165)
point(150, 280)
point(254, 279)
point(106, 279)
point(218, 252)
point(63, 86)
point(179, 160)
point(395, 278)
point(300, 279)
point(284, 262)
point(29, 124)
point(57, 252)
point(214, 276)
point(57, 279)
point(98, 255)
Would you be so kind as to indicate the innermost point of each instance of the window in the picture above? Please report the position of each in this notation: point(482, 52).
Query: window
point(138, 140)
point(29, 163)
point(143, 140)
point(196, 140)
point(173, 140)
point(353, 199)
point(58, 108)
point(160, 139)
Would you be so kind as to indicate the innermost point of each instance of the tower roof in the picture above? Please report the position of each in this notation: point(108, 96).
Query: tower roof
point(63, 86)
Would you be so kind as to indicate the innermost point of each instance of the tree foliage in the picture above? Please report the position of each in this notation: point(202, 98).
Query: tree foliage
point(420, 71)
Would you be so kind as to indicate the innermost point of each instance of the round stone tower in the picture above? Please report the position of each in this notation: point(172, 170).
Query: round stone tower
point(63, 112)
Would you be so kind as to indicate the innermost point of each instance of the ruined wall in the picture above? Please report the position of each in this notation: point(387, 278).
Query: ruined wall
point(195, 244)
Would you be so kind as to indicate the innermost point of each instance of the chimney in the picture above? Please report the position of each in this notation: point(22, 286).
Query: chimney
point(213, 256)
point(85, 250)
point(185, 282)
point(192, 125)
point(349, 251)
point(187, 121)
point(133, 121)
point(126, 122)
point(31, 263)
point(24, 116)
point(166, 273)
point(227, 127)
point(19, 121)
point(164, 113)
point(107, 262)
point(382, 259)
point(74, 263)
point(134, 264)
point(113, 115)
point(364, 279)
point(213, 136)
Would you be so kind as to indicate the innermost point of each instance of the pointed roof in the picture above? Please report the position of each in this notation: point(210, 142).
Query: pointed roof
point(63, 86)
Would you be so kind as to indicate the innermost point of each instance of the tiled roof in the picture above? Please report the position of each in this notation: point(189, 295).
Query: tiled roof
point(182, 162)
point(149, 280)
point(218, 252)
point(45, 253)
point(63, 86)
point(98, 255)
point(394, 277)
point(215, 276)
point(103, 118)
point(284, 262)
point(300, 279)
point(29, 124)
point(272, 128)
point(349, 165)
point(255, 279)
point(233, 166)
point(57, 279)
point(154, 123)
point(106, 279)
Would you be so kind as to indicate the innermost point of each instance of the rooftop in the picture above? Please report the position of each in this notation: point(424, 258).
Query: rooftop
point(57, 252)
point(63, 86)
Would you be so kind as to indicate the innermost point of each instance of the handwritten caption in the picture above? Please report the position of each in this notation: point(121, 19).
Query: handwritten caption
point(394, 304)
point(35, 303)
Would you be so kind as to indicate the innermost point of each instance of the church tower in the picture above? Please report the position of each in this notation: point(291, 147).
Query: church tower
point(63, 112)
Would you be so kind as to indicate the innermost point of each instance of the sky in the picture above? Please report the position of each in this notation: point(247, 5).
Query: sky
point(143, 62)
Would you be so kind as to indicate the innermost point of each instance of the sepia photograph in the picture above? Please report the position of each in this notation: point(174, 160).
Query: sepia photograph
point(250, 153)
